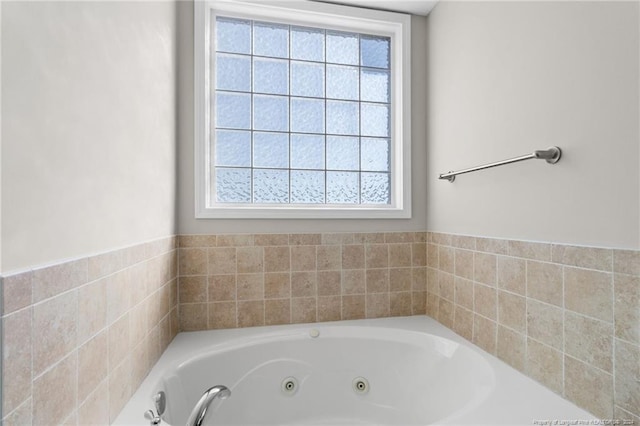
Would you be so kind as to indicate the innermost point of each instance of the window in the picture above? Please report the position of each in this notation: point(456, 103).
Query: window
point(301, 111)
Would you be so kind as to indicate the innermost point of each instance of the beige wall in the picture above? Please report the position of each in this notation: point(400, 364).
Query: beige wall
point(506, 78)
point(88, 142)
point(187, 224)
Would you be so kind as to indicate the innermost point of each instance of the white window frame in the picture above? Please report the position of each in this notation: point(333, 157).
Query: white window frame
point(397, 26)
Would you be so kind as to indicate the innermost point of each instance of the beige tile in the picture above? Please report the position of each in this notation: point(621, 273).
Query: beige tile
point(119, 295)
point(400, 255)
point(277, 259)
point(625, 416)
point(193, 317)
point(442, 239)
point(419, 279)
point(464, 264)
point(446, 313)
point(329, 308)
point(589, 293)
point(304, 284)
point(491, 245)
point(544, 364)
point(222, 260)
point(329, 283)
point(366, 238)
point(627, 307)
point(353, 307)
point(139, 285)
point(418, 303)
point(92, 309)
point(583, 257)
point(512, 274)
point(337, 238)
point(222, 315)
point(463, 322)
point(54, 330)
point(119, 340)
point(277, 285)
point(192, 261)
point(353, 281)
point(400, 279)
point(271, 239)
point(485, 301)
point(251, 313)
point(433, 286)
point(511, 348)
point(545, 323)
point(377, 255)
point(159, 246)
point(303, 310)
point(54, 393)
point(485, 268)
point(544, 282)
point(138, 322)
point(398, 237)
point(627, 376)
point(446, 259)
point(433, 303)
point(484, 333)
point(420, 237)
point(377, 280)
point(400, 304)
point(303, 258)
point(589, 340)
point(221, 287)
point(432, 256)
point(353, 256)
point(464, 242)
point(133, 254)
point(446, 285)
point(197, 241)
point(94, 410)
point(305, 239)
point(377, 305)
point(16, 292)
point(329, 257)
point(249, 259)
point(16, 359)
point(463, 293)
point(626, 261)
point(193, 289)
point(21, 416)
point(104, 264)
point(528, 250)
point(53, 280)
point(419, 254)
point(580, 383)
point(235, 240)
point(92, 364)
point(250, 286)
point(512, 311)
point(119, 387)
point(277, 311)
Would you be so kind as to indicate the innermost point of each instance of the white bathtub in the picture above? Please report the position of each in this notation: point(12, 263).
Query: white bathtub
point(418, 373)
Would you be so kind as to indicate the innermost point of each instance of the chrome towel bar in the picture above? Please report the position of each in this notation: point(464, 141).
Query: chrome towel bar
point(551, 155)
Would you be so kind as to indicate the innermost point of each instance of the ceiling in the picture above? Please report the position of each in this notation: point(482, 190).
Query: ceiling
point(415, 7)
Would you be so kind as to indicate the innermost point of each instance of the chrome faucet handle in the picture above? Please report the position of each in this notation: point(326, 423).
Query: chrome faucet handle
point(153, 419)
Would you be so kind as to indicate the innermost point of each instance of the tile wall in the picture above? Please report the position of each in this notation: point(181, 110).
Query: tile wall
point(229, 281)
point(79, 337)
point(569, 317)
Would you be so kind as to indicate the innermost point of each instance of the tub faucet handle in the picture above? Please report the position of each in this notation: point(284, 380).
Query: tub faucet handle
point(153, 419)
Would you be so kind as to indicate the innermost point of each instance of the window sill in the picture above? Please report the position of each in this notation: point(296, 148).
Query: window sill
point(284, 212)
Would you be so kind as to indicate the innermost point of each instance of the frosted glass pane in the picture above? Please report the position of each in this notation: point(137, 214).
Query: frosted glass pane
point(271, 76)
point(307, 44)
point(271, 150)
point(233, 148)
point(270, 186)
point(307, 151)
point(375, 51)
point(270, 40)
point(307, 115)
point(233, 110)
point(233, 72)
point(307, 187)
point(233, 185)
point(342, 48)
point(375, 188)
point(375, 120)
point(343, 153)
point(233, 35)
point(374, 154)
point(342, 118)
point(342, 82)
point(307, 79)
point(374, 85)
point(271, 113)
point(342, 187)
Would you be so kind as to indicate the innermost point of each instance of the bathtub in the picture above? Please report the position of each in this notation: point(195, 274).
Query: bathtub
point(392, 371)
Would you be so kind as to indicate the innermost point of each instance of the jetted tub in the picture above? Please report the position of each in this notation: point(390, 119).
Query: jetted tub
point(392, 371)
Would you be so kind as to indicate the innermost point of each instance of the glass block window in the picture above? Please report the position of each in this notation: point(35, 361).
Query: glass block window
point(301, 115)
